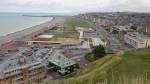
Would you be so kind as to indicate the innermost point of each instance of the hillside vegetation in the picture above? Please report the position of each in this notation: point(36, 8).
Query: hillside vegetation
point(130, 67)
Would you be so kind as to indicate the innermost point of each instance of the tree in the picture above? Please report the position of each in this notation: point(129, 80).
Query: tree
point(99, 52)
point(134, 27)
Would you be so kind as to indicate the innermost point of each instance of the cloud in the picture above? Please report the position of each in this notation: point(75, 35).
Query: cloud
point(74, 5)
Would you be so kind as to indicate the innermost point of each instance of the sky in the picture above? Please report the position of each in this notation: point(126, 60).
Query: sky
point(74, 6)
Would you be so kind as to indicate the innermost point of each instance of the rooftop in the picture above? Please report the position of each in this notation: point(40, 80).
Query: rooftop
point(85, 29)
point(97, 41)
point(122, 28)
point(45, 36)
point(138, 37)
point(17, 61)
point(58, 59)
point(56, 40)
point(27, 57)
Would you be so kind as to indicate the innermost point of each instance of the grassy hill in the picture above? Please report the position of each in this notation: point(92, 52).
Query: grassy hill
point(130, 67)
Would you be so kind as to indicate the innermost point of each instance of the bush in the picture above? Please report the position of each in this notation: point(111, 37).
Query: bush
point(89, 57)
point(98, 51)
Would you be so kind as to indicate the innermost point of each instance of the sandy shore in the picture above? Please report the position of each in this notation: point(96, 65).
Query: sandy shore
point(25, 32)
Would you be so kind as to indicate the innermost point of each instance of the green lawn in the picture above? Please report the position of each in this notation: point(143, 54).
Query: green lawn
point(72, 22)
point(130, 67)
point(76, 22)
point(74, 35)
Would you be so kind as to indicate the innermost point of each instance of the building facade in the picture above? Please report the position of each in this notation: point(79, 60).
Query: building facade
point(30, 65)
point(120, 31)
point(24, 74)
point(61, 64)
point(136, 40)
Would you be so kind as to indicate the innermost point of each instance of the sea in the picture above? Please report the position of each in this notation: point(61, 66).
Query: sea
point(12, 22)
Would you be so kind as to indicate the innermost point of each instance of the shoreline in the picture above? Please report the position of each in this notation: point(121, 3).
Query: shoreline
point(31, 30)
point(39, 23)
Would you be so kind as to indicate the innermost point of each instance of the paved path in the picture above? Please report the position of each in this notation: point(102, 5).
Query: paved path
point(76, 57)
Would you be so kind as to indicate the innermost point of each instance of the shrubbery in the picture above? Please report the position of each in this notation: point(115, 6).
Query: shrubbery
point(97, 52)
point(89, 57)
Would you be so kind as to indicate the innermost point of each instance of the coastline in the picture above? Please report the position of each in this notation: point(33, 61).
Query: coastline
point(30, 30)
point(40, 23)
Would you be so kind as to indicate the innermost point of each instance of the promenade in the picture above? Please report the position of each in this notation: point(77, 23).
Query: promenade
point(26, 32)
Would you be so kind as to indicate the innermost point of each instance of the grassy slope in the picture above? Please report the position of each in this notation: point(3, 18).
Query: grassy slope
point(131, 67)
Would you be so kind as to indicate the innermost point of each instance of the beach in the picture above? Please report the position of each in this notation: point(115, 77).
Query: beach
point(29, 31)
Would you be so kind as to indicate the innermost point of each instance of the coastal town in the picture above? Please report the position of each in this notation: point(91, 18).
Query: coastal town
point(122, 28)
point(54, 50)
point(43, 52)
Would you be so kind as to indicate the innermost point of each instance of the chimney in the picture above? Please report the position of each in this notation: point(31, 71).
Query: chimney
point(21, 61)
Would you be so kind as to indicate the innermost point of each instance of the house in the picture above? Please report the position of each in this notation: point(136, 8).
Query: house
point(61, 64)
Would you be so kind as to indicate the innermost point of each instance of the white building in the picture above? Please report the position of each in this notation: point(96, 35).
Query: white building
point(120, 31)
point(98, 41)
point(137, 40)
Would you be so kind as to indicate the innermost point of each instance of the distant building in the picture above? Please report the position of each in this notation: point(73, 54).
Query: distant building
point(146, 28)
point(120, 31)
point(86, 32)
point(83, 30)
point(98, 41)
point(91, 36)
point(137, 40)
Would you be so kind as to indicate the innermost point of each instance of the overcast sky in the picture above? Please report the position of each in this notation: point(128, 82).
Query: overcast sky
point(74, 6)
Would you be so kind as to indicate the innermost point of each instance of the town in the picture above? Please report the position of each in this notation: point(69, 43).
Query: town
point(121, 28)
point(55, 51)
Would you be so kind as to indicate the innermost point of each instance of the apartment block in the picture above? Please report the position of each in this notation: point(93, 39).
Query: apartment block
point(137, 40)
point(21, 71)
point(120, 31)
point(30, 65)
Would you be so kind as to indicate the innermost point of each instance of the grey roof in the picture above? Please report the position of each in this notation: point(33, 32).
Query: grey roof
point(43, 56)
point(138, 37)
point(13, 63)
point(60, 60)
